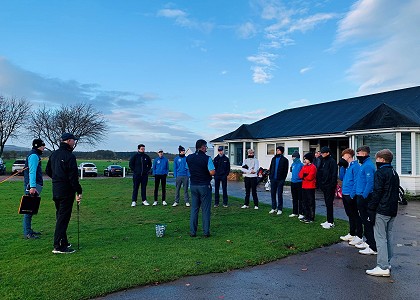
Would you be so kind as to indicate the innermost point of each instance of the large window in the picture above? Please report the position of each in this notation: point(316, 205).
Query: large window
point(406, 153)
point(377, 142)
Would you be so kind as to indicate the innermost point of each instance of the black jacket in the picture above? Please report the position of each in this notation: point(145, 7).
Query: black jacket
point(62, 168)
point(328, 173)
point(221, 166)
point(385, 192)
point(282, 170)
point(140, 163)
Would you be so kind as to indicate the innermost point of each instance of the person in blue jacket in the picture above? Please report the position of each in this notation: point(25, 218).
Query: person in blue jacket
point(296, 186)
point(160, 171)
point(32, 183)
point(349, 169)
point(363, 191)
point(181, 175)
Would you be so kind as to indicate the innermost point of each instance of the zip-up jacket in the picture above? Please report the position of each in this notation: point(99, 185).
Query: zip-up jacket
point(282, 169)
point(160, 166)
point(62, 168)
point(33, 170)
point(385, 191)
point(180, 166)
point(295, 169)
point(308, 175)
point(328, 173)
point(349, 177)
point(221, 165)
point(364, 182)
point(140, 163)
point(199, 164)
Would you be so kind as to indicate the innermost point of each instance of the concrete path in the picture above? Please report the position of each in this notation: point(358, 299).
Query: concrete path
point(333, 272)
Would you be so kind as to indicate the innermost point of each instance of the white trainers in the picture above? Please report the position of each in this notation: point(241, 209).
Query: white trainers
point(133, 204)
point(255, 207)
point(245, 206)
point(154, 203)
point(361, 245)
point(367, 251)
point(164, 203)
point(279, 212)
point(272, 211)
point(328, 225)
point(377, 271)
point(175, 204)
point(301, 217)
point(356, 240)
point(347, 237)
point(187, 204)
point(292, 215)
point(145, 203)
point(325, 223)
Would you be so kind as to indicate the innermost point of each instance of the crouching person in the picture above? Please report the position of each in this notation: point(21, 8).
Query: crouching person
point(382, 210)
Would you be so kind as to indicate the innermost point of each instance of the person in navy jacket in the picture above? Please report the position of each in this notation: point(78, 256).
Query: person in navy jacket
point(279, 167)
point(160, 171)
point(222, 167)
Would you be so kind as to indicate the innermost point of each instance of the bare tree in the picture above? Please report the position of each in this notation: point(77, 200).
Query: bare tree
point(13, 114)
point(82, 119)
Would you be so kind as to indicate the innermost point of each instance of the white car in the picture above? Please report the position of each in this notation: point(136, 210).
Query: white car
point(89, 169)
point(18, 166)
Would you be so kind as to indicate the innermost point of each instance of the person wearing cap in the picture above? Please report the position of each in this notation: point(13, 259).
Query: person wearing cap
point(62, 168)
point(250, 169)
point(201, 169)
point(181, 175)
point(308, 176)
point(279, 167)
point(296, 186)
point(222, 165)
point(32, 183)
point(140, 163)
point(160, 170)
point(363, 190)
point(328, 184)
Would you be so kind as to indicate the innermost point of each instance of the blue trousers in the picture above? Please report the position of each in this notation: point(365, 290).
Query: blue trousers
point(277, 188)
point(27, 218)
point(201, 197)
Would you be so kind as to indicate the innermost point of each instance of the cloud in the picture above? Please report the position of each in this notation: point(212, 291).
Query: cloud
point(182, 19)
point(281, 22)
point(226, 122)
point(247, 30)
point(304, 70)
point(386, 36)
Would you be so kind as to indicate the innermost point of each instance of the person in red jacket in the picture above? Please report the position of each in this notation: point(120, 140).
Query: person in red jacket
point(308, 175)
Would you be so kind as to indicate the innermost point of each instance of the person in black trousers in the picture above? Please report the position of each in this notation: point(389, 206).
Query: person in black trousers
point(62, 168)
point(279, 167)
point(140, 163)
point(328, 184)
point(222, 166)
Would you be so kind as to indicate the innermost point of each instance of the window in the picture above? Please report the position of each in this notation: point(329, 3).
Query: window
point(236, 153)
point(270, 149)
point(290, 150)
point(406, 153)
point(377, 142)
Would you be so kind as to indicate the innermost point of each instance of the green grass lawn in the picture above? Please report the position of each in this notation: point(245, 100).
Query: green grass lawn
point(119, 248)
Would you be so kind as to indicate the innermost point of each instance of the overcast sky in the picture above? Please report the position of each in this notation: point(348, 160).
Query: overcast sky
point(167, 73)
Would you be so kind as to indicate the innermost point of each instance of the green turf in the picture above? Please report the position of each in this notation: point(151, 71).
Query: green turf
point(119, 248)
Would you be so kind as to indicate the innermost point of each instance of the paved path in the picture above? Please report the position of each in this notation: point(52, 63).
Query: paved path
point(333, 272)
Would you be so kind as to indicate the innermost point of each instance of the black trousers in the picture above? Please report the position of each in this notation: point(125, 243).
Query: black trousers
point(355, 223)
point(251, 185)
point(308, 201)
point(160, 179)
point(223, 181)
point(296, 189)
point(329, 194)
point(137, 181)
point(362, 205)
point(63, 208)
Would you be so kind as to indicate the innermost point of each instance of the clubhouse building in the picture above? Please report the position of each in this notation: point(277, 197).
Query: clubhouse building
point(384, 120)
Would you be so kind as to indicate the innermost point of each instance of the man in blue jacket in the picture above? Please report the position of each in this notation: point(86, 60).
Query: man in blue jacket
point(296, 186)
point(140, 163)
point(181, 175)
point(279, 167)
point(222, 165)
point(160, 171)
point(363, 191)
point(33, 183)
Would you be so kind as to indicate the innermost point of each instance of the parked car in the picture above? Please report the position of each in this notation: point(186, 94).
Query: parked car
point(2, 167)
point(113, 170)
point(18, 166)
point(88, 169)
